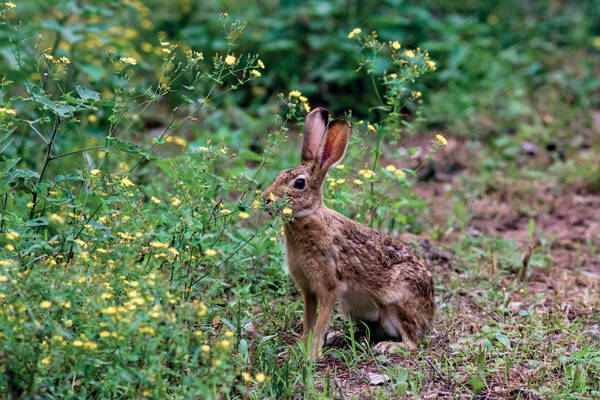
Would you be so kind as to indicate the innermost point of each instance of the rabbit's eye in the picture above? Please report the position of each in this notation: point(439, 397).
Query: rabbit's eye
point(299, 183)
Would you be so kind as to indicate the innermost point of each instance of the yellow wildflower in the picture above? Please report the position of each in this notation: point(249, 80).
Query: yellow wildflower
point(371, 127)
point(155, 200)
point(246, 377)
point(230, 60)
point(339, 166)
point(396, 45)
point(126, 182)
point(128, 60)
point(430, 64)
point(354, 32)
point(45, 304)
point(12, 235)
point(287, 211)
point(243, 215)
point(409, 53)
point(441, 139)
point(95, 172)
point(260, 377)
point(30, 204)
point(10, 4)
point(393, 76)
point(295, 93)
point(255, 72)
point(3, 278)
point(45, 361)
point(104, 334)
point(65, 60)
point(175, 201)
point(399, 173)
point(210, 252)
point(6, 263)
point(358, 182)
point(261, 64)
point(255, 204)
point(57, 218)
point(390, 168)
point(205, 348)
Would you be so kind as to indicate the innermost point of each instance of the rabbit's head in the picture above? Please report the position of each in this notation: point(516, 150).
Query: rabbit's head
point(323, 146)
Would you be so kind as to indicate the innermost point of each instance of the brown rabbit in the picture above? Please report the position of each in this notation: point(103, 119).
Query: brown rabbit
point(377, 279)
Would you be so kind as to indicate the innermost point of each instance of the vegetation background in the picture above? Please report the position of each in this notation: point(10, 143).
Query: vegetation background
point(135, 259)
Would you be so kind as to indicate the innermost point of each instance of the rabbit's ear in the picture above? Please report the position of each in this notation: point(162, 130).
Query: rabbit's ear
point(338, 133)
point(314, 129)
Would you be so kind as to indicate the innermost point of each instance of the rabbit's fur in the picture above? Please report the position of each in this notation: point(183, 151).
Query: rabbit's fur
point(376, 278)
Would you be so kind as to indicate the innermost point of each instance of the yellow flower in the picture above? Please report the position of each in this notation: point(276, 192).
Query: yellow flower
point(246, 377)
point(303, 99)
point(126, 182)
point(229, 333)
point(3, 278)
point(371, 127)
point(45, 304)
point(57, 218)
point(165, 43)
point(306, 107)
point(6, 263)
point(166, 51)
point(295, 93)
point(45, 361)
point(12, 235)
point(65, 60)
point(202, 148)
point(441, 139)
point(175, 201)
point(230, 60)
point(48, 56)
point(271, 197)
point(173, 251)
point(358, 182)
point(77, 343)
point(109, 310)
point(366, 173)
point(354, 32)
point(393, 76)
point(287, 211)
point(260, 377)
point(243, 215)
point(430, 64)
point(10, 4)
point(210, 252)
point(8, 111)
point(95, 172)
point(205, 348)
point(255, 204)
point(224, 343)
point(409, 53)
point(255, 72)
point(155, 200)
point(396, 45)
point(261, 64)
point(596, 42)
point(390, 168)
point(339, 166)
point(399, 173)
point(128, 60)
point(30, 204)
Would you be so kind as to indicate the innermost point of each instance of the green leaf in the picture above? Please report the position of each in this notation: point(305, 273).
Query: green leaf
point(41, 221)
point(502, 338)
point(87, 94)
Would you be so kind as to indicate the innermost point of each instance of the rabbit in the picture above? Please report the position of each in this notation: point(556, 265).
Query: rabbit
point(377, 279)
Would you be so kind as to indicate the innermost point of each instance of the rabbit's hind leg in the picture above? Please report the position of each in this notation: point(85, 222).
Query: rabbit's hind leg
point(398, 324)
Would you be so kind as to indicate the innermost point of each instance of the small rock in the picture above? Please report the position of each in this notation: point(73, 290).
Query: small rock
point(375, 378)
